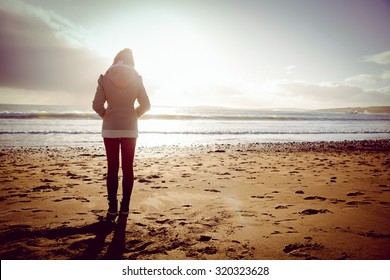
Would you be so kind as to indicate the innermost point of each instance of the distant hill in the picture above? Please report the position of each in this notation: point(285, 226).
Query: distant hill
point(360, 110)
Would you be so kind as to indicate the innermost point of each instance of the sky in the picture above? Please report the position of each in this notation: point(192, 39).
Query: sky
point(307, 54)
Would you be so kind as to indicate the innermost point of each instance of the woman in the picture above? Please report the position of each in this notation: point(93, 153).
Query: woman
point(120, 87)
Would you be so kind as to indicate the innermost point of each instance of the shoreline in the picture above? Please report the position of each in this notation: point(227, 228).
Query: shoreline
point(312, 200)
point(373, 144)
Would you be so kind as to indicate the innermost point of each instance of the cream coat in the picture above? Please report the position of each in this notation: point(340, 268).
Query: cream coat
point(120, 87)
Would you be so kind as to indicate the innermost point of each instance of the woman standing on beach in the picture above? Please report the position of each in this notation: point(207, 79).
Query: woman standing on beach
point(120, 86)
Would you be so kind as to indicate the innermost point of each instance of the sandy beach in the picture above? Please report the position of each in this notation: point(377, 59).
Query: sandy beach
point(323, 200)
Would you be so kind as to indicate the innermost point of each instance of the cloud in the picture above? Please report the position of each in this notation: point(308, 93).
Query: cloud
point(380, 58)
point(63, 29)
point(369, 78)
point(278, 94)
point(289, 69)
point(38, 52)
point(331, 94)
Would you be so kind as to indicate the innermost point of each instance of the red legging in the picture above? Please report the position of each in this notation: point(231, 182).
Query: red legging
point(126, 146)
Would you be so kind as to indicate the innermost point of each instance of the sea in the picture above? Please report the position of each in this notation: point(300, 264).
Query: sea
point(63, 126)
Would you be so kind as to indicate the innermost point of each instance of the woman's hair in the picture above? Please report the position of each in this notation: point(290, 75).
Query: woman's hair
point(125, 55)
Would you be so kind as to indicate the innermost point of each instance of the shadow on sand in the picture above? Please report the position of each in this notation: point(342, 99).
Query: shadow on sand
point(91, 249)
point(97, 245)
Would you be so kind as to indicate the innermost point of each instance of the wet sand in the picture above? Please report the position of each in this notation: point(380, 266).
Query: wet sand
point(326, 200)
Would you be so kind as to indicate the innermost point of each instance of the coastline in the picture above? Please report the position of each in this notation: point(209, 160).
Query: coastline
point(296, 200)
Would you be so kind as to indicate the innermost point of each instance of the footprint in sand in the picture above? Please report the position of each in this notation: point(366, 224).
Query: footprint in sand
point(358, 202)
point(245, 213)
point(315, 197)
point(140, 224)
point(82, 199)
point(386, 203)
point(314, 211)
point(335, 200)
point(262, 196)
point(38, 210)
point(212, 190)
point(208, 250)
point(284, 220)
point(47, 181)
point(302, 247)
point(136, 246)
point(46, 188)
point(355, 194)
point(159, 187)
point(374, 235)
point(164, 221)
point(223, 174)
point(204, 238)
point(143, 180)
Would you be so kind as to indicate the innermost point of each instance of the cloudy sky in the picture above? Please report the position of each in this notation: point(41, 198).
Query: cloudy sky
point(257, 54)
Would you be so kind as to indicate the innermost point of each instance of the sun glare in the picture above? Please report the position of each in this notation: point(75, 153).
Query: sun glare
point(182, 59)
point(174, 58)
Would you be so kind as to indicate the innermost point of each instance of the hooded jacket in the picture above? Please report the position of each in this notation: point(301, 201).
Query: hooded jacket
point(120, 87)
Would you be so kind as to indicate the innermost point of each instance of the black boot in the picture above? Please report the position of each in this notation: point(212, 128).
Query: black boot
point(112, 211)
point(124, 210)
point(123, 213)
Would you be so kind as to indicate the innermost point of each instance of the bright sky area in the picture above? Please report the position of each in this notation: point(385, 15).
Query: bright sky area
point(307, 54)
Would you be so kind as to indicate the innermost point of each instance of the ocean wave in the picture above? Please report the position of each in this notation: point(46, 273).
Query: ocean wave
point(201, 117)
point(185, 117)
point(200, 132)
point(167, 117)
point(47, 115)
point(47, 132)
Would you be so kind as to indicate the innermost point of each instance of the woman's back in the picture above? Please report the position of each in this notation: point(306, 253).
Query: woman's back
point(120, 87)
